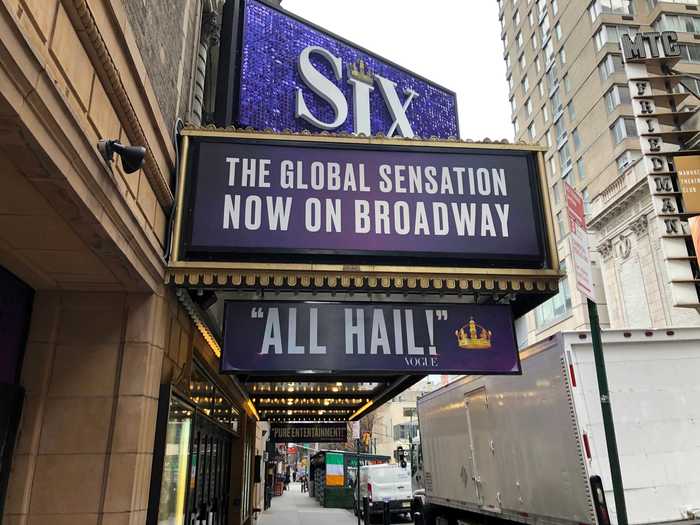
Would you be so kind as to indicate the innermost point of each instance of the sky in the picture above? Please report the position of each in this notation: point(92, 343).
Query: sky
point(455, 43)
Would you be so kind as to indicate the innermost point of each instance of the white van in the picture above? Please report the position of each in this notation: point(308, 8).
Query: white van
point(381, 485)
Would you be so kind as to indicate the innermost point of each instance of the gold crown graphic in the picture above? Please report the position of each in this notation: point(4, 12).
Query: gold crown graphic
point(360, 72)
point(473, 336)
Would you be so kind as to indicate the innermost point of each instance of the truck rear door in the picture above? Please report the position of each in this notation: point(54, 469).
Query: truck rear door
point(481, 449)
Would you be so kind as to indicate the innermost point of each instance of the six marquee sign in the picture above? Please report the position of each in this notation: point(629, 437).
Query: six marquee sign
point(288, 74)
point(310, 200)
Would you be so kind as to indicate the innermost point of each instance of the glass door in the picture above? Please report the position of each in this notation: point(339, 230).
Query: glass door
point(210, 460)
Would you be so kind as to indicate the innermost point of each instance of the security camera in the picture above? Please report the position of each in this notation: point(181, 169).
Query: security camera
point(132, 156)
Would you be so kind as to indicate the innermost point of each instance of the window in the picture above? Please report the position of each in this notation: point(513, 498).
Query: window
point(548, 53)
point(545, 114)
point(623, 7)
point(586, 201)
point(571, 111)
point(627, 159)
point(516, 127)
point(531, 18)
point(507, 61)
point(510, 82)
point(577, 139)
point(565, 158)
point(557, 30)
point(567, 84)
point(562, 56)
point(580, 169)
point(532, 131)
point(526, 85)
point(617, 95)
point(516, 18)
point(406, 431)
point(609, 34)
point(552, 166)
point(544, 28)
point(560, 131)
point(653, 3)
point(541, 8)
point(528, 107)
point(540, 88)
point(519, 39)
point(683, 23)
point(556, 196)
point(556, 102)
point(609, 65)
point(623, 128)
point(557, 307)
point(512, 105)
point(538, 64)
point(555, 7)
point(552, 79)
point(548, 138)
point(521, 61)
point(505, 41)
point(690, 53)
point(533, 42)
point(561, 226)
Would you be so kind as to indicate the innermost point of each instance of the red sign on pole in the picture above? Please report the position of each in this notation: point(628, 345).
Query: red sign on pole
point(578, 239)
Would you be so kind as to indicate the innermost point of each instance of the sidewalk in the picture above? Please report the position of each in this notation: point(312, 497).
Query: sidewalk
point(297, 508)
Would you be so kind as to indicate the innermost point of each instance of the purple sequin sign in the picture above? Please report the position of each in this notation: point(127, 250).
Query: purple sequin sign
point(272, 42)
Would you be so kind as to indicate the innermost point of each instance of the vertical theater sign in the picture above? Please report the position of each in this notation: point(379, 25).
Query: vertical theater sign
point(656, 97)
point(335, 243)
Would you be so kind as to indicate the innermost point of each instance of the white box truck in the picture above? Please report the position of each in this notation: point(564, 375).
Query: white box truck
point(532, 449)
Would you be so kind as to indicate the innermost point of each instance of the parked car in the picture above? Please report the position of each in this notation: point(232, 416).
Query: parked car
point(382, 485)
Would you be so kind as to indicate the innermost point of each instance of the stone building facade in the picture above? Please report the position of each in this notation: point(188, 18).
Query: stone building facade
point(89, 242)
point(568, 91)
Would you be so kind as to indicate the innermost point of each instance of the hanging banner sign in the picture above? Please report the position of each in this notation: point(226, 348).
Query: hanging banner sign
point(275, 197)
point(293, 75)
point(308, 432)
point(688, 169)
point(302, 337)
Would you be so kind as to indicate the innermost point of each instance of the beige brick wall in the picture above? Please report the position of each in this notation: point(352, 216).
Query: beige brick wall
point(92, 371)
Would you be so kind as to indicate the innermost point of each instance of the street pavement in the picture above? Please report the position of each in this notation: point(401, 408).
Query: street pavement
point(297, 508)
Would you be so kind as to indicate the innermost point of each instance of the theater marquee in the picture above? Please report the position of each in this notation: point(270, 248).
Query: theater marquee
point(349, 212)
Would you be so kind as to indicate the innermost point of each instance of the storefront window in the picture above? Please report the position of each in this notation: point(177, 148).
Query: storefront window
point(212, 401)
point(173, 488)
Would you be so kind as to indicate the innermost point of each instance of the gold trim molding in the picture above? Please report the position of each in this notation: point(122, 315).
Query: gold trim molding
point(472, 283)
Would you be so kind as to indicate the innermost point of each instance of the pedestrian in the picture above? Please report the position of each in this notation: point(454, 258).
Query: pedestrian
point(294, 476)
point(286, 481)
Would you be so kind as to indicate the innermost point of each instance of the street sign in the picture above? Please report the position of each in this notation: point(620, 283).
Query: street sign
point(578, 238)
point(355, 430)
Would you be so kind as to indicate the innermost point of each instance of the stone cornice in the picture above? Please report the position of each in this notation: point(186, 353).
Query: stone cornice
point(108, 71)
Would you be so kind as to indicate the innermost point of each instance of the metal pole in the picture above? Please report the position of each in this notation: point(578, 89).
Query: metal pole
point(606, 408)
point(357, 481)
